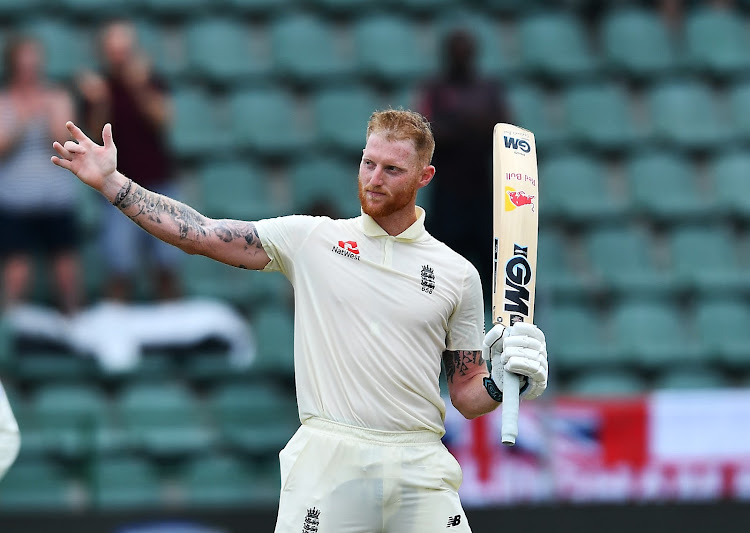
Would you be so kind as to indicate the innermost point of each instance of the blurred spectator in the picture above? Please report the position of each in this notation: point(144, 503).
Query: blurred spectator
point(37, 199)
point(136, 102)
point(463, 108)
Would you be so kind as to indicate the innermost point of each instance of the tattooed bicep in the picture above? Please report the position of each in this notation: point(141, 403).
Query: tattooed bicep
point(462, 362)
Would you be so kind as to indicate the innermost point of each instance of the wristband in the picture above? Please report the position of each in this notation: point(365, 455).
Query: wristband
point(120, 197)
point(495, 393)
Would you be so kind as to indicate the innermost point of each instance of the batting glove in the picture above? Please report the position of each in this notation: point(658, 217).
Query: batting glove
point(520, 349)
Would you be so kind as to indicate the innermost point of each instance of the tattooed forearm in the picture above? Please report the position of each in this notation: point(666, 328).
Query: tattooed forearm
point(462, 362)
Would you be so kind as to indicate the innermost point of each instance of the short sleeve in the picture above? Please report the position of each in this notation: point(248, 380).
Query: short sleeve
point(466, 324)
point(282, 237)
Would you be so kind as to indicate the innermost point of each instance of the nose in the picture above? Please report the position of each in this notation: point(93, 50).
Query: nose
point(377, 176)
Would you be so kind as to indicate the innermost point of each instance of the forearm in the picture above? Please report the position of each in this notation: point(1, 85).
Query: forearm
point(472, 399)
point(465, 371)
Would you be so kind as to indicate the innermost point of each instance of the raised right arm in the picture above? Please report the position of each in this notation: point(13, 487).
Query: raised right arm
point(230, 241)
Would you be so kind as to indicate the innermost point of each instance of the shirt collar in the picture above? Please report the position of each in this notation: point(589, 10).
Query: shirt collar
point(415, 232)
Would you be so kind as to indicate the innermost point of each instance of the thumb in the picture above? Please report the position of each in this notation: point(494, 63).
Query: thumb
point(107, 136)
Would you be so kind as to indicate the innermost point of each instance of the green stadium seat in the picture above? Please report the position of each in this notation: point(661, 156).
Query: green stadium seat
point(73, 421)
point(739, 109)
point(573, 348)
point(66, 50)
point(174, 8)
point(220, 51)
point(218, 481)
point(684, 114)
point(731, 183)
point(637, 42)
point(426, 6)
point(554, 272)
point(722, 326)
point(577, 188)
point(256, 419)
point(653, 335)
point(341, 115)
point(265, 120)
point(324, 181)
point(236, 189)
point(493, 57)
point(204, 277)
point(11, 9)
point(163, 419)
point(95, 9)
point(606, 384)
point(34, 486)
point(598, 115)
point(125, 482)
point(622, 260)
point(693, 377)
point(664, 186)
point(705, 259)
point(164, 47)
point(305, 50)
point(716, 41)
point(387, 49)
point(530, 109)
point(196, 129)
point(274, 327)
point(39, 365)
point(258, 7)
point(338, 7)
point(554, 46)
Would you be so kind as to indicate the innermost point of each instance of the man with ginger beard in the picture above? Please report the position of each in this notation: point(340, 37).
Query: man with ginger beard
point(379, 303)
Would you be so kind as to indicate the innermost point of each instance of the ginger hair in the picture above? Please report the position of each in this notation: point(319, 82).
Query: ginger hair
point(402, 125)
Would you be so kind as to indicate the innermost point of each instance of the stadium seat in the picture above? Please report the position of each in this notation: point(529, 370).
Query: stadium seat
point(705, 259)
point(426, 6)
point(622, 260)
point(96, 9)
point(554, 272)
point(274, 327)
point(73, 421)
point(220, 51)
point(174, 8)
point(716, 41)
point(254, 418)
point(327, 182)
point(731, 183)
point(388, 50)
point(684, 114)
point(636, 41)
point(305, 50)
point(338, 7)
point(266, 121)
point(34, 486)
point(606, 384)
point(218, 481)
point(164, 48)
point(663, 186)
point(653, 335)
point(554, 46)
point(530, 109)
point(739, 109)
point(236, 189)
point(66, 49)
point(722, 327)
point(598, 115)
point(259, 7)
point(573, 348)
point(577, 188)
point(341, 114)
point(125, 482)
point(493, 57)
point(163, 419)
point(12, 9)
point(39, 365)
point(692, 377)
point(196, 129)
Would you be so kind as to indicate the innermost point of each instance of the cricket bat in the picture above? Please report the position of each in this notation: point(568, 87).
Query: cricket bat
point(515, 234)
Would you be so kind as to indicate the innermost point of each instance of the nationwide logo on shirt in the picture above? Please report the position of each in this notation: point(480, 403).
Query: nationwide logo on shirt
point(347, 249)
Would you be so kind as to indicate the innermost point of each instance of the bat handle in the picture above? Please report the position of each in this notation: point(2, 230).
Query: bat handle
point(510, 406)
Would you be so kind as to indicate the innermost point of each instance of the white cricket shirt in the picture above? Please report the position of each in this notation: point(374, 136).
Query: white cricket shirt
point(373, 315)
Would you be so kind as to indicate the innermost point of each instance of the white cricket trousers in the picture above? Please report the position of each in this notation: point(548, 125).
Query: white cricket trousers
point(337, 478)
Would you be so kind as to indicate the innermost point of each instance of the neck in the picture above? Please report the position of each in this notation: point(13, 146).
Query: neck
point(398, 222)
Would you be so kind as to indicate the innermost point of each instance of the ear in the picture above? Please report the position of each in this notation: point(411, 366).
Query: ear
point(427, 174)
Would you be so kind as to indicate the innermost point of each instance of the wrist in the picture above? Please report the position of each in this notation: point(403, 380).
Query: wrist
point(492, 389)
point(112, 184)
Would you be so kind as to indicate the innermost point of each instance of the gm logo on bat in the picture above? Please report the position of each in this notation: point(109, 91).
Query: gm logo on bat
point(518, 275)
point(517, 144)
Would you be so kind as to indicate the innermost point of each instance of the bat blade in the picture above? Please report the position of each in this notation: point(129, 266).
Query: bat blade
point(515, 235)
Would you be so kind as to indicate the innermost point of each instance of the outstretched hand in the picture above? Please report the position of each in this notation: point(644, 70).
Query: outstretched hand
point(89, 161)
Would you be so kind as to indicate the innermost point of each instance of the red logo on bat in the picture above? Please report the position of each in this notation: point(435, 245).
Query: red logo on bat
point(518, 199)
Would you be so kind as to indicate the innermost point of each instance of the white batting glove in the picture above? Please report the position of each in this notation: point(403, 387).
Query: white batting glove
point(520, 349)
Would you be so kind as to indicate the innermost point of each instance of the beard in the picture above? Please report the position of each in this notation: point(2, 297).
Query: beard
point(390, 204)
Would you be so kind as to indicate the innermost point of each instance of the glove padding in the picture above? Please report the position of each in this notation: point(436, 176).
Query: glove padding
point(520, 349)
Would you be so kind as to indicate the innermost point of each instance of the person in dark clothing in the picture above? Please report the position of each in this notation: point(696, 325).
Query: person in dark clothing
point(463, 108)
point(136, 103)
